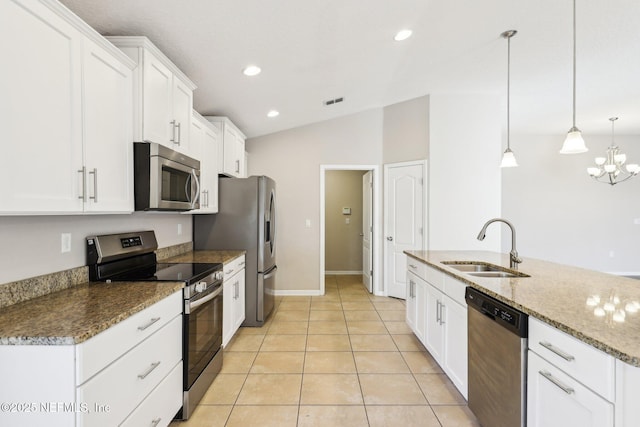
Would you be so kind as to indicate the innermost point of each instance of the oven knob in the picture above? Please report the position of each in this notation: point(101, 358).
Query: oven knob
point(219, 275)
point(201, 286)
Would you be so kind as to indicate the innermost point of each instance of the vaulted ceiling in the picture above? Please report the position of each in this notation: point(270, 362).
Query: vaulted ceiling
point(311, 51)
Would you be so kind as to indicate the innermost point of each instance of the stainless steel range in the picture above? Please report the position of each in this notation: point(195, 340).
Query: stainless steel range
point(131, 257)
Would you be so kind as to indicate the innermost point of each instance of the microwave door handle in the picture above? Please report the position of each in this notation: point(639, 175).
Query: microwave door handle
point(197, 190)
point(187, 185)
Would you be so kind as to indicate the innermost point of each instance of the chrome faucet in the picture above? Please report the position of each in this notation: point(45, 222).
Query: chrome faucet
point(513, 255)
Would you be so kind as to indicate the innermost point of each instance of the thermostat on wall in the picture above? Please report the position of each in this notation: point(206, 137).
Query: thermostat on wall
point(346, 211)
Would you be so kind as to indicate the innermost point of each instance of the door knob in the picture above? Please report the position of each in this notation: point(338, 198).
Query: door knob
point(390, 238)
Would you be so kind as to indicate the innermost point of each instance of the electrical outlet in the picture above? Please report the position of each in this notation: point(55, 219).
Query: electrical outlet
point(307, 223)
point(179, 229)
point(65, 243)
point(347, 221)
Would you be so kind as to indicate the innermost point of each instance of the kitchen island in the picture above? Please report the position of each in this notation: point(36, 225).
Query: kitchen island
point(576, 309)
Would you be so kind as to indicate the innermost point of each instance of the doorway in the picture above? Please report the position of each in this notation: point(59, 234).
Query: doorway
point(365, 244)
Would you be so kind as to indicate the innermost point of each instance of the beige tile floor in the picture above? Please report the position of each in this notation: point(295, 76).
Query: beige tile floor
point(343, 359)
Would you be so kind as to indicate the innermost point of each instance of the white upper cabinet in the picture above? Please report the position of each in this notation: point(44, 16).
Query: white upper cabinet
point(108, 133)
point(54, 106)
point(163, 96)
point(205, 138)
point(233, 160)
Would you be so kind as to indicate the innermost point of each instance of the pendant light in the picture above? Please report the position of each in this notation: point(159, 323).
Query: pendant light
point(508, 159)
point(573, 143)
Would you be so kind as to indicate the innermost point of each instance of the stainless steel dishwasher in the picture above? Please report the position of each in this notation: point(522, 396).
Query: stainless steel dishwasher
point(497, 349)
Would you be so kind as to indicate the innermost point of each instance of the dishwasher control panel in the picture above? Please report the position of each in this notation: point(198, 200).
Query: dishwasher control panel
point(506, 316)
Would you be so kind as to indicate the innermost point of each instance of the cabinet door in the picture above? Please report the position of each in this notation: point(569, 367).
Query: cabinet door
point(210, 168)
point(239, 312)
point(40, 110)
point(157, 114)
point(182, 106)
point(434, 332)
point(231, 162)
point(228, 310)
point(108, 137)
point(455, 343)
point(556, 399)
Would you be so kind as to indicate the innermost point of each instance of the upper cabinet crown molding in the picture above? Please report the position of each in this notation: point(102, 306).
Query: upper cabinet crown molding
point(144, 42)
point(71, 18)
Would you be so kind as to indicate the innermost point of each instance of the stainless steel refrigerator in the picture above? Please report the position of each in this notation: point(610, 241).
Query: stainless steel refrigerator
point(245, 221)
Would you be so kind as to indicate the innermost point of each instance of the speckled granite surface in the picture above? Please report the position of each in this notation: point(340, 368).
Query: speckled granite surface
point(207, 256)
point(23, 290)
point(558, 294)
point(163, 253)
point(74, 315)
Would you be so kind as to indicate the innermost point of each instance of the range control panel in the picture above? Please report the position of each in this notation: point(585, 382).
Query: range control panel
point(129, 242)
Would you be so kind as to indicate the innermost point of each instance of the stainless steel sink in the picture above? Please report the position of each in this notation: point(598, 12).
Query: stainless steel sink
point(483, 269)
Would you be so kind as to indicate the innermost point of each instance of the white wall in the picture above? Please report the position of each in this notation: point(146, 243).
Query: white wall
point(406, 131)
point(465, 148)
point(293, 158)
point(562, 215)
point(30, 245)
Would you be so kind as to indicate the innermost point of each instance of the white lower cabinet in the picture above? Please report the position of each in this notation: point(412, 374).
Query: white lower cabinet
point(437, 313)
point(131, 371)
point(556, 399)
point(233, 310)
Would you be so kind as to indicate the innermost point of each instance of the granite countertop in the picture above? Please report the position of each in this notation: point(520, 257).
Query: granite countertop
point(224, 257)
point(74, 315)
point(557, 294)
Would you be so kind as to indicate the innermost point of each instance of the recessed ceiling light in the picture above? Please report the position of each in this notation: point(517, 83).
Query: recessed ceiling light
point(251, 70)
point(273, 113)
point(402, 35)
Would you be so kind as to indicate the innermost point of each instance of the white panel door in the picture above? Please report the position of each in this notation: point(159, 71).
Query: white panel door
point(108, 135)
point(158, 81)
point(404, 221)
point(40, 117)
point(367, 229)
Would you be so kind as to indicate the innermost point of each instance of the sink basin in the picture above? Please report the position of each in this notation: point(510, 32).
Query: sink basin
point(483, 269)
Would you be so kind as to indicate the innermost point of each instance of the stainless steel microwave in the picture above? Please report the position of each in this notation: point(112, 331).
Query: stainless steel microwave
point(164, 179)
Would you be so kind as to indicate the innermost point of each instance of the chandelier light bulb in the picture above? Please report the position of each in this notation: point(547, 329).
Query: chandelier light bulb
point(609, 169)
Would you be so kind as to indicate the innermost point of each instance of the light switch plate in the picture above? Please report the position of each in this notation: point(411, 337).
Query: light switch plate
point(65, 242)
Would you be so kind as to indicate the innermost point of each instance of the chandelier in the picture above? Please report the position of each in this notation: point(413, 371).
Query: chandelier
point(609, 170)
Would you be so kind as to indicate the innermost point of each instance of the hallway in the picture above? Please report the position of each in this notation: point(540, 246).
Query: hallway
point(343, 359)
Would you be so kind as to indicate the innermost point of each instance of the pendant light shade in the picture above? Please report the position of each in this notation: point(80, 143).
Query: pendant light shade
point(508, 158)
point(573, 143)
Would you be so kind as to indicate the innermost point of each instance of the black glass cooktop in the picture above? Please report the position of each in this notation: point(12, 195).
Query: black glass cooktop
point(164, 272)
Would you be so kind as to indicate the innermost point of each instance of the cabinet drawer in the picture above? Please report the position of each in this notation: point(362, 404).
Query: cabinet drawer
point(588, 365)
point(98, 352)
point(416, 267)
point(159, 408)
point(455, 289)
point(234, 266)
point(125, 383)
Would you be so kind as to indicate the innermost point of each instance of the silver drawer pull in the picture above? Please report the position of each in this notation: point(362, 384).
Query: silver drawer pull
point(556, 350)
point(229, 272)
point(151, 322)
point(557, 382)
point(413, 266)
point(153, 366)
point(155, 422)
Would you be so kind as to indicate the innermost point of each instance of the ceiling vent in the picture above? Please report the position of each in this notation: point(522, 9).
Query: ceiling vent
point(333, 101)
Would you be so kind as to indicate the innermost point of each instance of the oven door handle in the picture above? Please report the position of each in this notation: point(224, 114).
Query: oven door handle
point(190, 306)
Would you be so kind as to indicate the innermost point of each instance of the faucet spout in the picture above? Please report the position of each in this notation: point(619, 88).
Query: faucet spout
point(513, 254)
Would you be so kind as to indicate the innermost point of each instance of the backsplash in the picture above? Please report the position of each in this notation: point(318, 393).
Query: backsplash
point(23, 290)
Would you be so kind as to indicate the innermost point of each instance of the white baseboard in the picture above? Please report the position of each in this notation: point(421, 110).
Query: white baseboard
point(298, 293)
point(339, 273)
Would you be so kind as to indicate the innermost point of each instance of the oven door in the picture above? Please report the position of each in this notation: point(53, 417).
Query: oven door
point(173, 185)
point(202, 332)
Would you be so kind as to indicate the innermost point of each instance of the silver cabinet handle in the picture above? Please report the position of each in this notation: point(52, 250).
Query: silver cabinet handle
point(94, 172)
point(173, 131)
point(390, 238)
point(442, 308)
point(83, 195)
point(410, 288)
point(229, 272)
point(179, 133)
point(438, 311)
point(557, 382)
point(151, 322)
point(155, 422)
point(556, 350)
point(237, 166)
point(148, 371)
point(237, 294)
point(412, 265)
